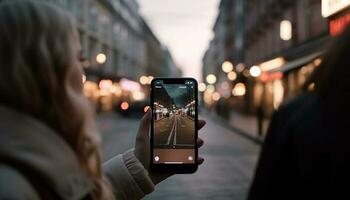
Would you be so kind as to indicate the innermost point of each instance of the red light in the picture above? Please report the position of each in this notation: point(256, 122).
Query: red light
point(124, 105)
point(337, 26)
point(278, 75)
point(264, 77)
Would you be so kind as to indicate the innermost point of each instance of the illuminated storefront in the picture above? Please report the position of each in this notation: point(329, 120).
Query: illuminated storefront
point(283, 77)
point(283, 81)
point(337, 11)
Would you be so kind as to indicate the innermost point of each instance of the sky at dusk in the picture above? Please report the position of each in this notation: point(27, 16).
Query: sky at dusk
point(185, 27)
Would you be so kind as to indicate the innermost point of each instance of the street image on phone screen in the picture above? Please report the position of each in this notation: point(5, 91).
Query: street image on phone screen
point(174, 122)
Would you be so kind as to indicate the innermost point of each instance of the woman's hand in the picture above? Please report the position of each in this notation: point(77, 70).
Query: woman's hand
point(142, 146)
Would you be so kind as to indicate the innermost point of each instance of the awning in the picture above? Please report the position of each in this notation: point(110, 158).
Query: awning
point(293, 64)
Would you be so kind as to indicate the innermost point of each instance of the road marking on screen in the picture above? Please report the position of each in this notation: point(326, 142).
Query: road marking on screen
point(171, 132)
point(174, 141)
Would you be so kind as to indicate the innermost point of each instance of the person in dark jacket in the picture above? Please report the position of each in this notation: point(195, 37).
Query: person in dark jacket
point(306, 154)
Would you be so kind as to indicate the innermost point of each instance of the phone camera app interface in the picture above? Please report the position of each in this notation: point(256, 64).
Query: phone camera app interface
point(174, 123)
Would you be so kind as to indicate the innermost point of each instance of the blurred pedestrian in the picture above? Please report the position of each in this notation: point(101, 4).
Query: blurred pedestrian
point(306, 154)
point(260, 120)
point(49, 144)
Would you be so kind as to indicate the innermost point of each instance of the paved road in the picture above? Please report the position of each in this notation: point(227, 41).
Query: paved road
point(175, 131)
point(225, 175)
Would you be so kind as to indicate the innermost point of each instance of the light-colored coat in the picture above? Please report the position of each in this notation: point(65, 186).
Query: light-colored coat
point(29, 147)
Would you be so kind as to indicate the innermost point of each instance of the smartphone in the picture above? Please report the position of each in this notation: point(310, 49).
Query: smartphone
point(174, 128)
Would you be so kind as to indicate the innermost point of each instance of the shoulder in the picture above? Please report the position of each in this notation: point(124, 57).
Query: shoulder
point(13, 185)
point(305, 107)
point(301, 103)
point(291, 115)
point(303, 111)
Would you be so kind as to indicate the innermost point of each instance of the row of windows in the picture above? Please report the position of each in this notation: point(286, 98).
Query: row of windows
point(307, 21)
point(99, 20)
point(131, 18)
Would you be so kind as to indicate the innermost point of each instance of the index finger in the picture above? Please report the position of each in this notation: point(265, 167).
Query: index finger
point(201, 123)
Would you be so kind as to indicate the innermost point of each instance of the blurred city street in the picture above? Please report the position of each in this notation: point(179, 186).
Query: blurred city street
point(226, 173)
point(238, 64)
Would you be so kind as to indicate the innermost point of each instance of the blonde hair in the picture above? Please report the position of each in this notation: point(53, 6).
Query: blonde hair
point(36, 69)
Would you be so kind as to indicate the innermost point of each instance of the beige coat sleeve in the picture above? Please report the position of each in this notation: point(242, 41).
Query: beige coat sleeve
point(128, 177)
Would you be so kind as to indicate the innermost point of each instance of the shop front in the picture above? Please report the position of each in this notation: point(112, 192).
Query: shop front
point(282, 78)
point(338, 13)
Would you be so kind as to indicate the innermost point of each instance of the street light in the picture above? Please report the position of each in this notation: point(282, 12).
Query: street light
point(105, 84)
point(227, 66)
point(255, 71)
point(239, 90)
point(232, 76)
point(216, 96)
point(143, 80)
point(124, 105)
point(286, 30)
point(101, 58)
point(150, 78)
point(138, 95)
point(211, 88)
point(202, 87)
point(240, 67)
point(211, 78)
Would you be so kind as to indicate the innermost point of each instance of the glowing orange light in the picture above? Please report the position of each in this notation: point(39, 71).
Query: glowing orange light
point(227, 66)
point(278, 75)
point(105, 84)
point(272, 64)
point(144, 80)
point(124, 105)
point(239, 90)
point(216, 96)
point(264, 77)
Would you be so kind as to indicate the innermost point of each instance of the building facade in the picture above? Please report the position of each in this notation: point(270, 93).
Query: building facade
point(226, 46)
point(120, 50)
point(275, 46)
point(116, 29)
point(286, 39)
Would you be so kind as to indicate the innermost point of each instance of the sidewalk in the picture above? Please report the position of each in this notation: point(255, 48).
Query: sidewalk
point(245, 125)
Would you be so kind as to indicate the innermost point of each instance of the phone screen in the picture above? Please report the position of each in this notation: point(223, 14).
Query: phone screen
point(174, 115)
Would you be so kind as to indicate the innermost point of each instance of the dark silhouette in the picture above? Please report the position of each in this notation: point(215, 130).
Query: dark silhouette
point(306, 152)
point(260, 119)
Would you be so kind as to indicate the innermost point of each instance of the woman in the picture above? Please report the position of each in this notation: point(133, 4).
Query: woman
point(306, 154)
point(49, 144)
